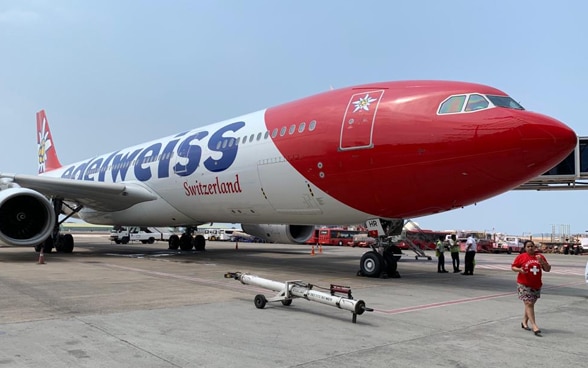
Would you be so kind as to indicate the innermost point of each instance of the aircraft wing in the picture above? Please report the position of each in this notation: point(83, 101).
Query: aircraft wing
point(96, 195)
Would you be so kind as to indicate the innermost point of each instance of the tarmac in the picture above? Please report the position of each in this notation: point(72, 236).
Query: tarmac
point(135, 305)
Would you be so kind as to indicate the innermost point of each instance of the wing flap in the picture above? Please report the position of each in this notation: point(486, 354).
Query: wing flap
point(95, 195)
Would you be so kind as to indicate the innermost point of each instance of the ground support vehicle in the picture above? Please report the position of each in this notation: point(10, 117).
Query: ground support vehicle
point(146, 235)
point(289, 290)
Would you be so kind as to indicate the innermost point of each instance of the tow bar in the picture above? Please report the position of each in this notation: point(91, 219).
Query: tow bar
point(297, 289)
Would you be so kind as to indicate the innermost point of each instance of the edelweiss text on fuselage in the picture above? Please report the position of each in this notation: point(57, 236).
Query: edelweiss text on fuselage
point(187, 146)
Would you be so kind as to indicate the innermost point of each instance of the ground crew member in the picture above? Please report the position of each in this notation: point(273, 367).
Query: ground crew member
point(454, 249)
point(440, 256)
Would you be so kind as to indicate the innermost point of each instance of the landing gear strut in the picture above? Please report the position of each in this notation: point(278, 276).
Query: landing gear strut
point(383, 259)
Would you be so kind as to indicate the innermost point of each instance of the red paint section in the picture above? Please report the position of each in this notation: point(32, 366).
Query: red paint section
point(47, 155)
point(415, 162)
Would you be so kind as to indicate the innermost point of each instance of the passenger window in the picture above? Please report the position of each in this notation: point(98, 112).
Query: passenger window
point(275, 133)
point(292, 129)
point(476, 102)
point(312, 125)
point(282, 131)
point(258, 136)
point(266, 134)
point(452, 105)
point(301, 127)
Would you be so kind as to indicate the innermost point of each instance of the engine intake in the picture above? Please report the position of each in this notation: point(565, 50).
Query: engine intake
point(26, 217)
point(285, 234)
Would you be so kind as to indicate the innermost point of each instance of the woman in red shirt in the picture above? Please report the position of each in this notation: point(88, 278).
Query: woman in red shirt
point(529, 266)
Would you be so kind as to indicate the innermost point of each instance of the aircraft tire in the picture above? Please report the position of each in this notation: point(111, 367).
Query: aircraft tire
point(371, 264)
point(199, 242)
point(394, 249)
point(186, 242)
point(260, 301)
point(174, 242)
point(391, 263)
point(65, 244)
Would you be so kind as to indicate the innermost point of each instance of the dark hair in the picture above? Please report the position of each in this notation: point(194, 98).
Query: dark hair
point(529, 241)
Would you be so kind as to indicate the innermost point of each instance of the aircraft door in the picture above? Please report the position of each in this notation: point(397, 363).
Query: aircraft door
point(357, 127)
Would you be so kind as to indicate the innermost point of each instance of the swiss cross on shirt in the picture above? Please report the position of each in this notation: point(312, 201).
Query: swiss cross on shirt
point(535, 270)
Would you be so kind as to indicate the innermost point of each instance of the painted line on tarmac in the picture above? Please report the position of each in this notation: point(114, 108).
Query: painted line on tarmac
point(417, 308)
point(201, 281)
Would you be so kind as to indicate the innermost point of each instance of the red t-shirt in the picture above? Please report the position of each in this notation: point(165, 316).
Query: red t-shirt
point(532, 269)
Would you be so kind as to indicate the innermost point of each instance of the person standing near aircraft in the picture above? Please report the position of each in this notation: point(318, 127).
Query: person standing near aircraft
point(440, 247)
point(529, 266)
point(470, 254)
point(454, 250)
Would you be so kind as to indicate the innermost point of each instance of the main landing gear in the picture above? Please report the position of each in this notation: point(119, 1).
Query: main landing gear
point(63, 243)
point(187, 241)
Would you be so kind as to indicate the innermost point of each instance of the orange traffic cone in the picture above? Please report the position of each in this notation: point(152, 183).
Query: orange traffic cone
point(312, 251)
point(237, 245)
point(320, 249)
point(41, 257)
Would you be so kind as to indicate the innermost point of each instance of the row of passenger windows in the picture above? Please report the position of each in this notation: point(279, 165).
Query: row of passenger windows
point(229, 142)
point(474, 102)
point(265, 135)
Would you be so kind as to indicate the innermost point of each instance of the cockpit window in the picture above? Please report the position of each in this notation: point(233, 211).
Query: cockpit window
point(505, 101)
point(472, 102)
point(476, 102)
point(452, 105)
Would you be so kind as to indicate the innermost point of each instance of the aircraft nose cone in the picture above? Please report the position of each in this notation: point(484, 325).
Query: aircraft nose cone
point(546, 141)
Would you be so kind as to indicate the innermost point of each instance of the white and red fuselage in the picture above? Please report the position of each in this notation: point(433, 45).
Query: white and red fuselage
point(382, 150)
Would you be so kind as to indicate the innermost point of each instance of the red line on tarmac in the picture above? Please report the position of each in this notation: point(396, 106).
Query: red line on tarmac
point(460, 301)
point(442, 304)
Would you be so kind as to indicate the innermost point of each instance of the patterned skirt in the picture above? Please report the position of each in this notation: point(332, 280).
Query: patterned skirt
point(526, 294)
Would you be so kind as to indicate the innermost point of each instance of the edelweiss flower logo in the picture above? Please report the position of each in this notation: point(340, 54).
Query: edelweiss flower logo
point(363, 103)
point(44, 145)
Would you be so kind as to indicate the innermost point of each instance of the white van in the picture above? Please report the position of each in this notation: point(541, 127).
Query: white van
point(218, 234)
point(514, 244)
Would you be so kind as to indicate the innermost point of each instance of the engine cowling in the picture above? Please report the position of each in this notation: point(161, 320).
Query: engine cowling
point(286, 234)
point(26, 217)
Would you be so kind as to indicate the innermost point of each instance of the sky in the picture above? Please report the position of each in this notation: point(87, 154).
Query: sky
point(111, 74)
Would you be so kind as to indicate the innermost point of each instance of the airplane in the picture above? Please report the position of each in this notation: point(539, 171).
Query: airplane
point(377, 153)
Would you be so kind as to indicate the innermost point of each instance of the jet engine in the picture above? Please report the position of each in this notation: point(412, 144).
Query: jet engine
point(285, 234)
point(26, 217)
